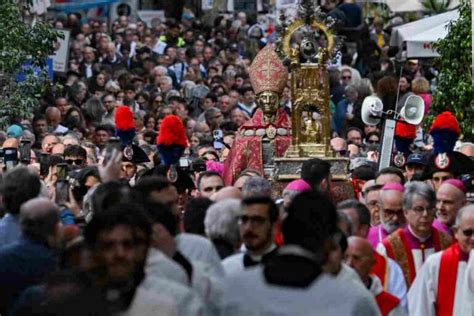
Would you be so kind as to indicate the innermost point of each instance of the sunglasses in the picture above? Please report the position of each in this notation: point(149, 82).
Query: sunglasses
point(76, 162)
point(348, 78)
point(468, 232)
point(373, 141)
point(342, 152)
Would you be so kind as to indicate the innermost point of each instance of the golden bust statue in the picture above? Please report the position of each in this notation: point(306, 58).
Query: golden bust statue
point(313, 131)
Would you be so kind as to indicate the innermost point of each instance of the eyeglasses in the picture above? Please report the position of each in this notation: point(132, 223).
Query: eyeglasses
point(371, 203)
point(421, 210)
point(392, 213)
point(254, 220)
point(468, 232)
point(76, 162)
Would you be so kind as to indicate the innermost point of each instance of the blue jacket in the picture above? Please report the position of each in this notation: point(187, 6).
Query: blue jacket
point(9, 230)
point(339, 117)
point(23, 264)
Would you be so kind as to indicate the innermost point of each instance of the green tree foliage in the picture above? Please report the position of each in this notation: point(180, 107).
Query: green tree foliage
point(454, 90)
point(436, 6)
point(22, 41)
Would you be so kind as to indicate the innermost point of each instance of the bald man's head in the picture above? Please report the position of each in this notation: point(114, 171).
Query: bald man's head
point(227, 193)
point(360, 256)
point(338, 144)
point(53, 117)
point(467, 149)
point(39, 219)
point(10, 143)
point(449, 199)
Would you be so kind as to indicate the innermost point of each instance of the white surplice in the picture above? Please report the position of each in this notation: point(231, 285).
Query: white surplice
point(423, 292)
point(248, 293)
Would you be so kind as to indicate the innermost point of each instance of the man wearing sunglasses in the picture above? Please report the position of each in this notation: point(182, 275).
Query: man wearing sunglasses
point(257, 228)
point(75, 156)
point(440, 287)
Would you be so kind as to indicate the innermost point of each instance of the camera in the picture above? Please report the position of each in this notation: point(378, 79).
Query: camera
point(112, 143)
point(188, 165)
point(25, 151)
point(62, 183)
point(468, 181)
point(10, 157)
point(218, 136)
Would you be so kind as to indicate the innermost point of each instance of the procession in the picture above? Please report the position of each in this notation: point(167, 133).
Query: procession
point(236, 157)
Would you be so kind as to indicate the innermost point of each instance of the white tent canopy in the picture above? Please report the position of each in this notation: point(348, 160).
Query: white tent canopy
point(406, 5)
point(420, 45)
point(419, 35)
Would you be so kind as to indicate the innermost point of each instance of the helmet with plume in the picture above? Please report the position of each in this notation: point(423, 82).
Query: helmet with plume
point(171, 140)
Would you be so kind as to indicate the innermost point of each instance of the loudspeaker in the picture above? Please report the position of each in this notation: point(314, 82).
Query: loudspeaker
point(413, 110)
point(372, 106)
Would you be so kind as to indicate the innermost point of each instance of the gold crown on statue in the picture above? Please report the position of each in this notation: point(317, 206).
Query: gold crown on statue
point(267, 72)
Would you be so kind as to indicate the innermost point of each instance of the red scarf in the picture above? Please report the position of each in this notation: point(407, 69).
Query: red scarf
point(386, 302)
point(448, 271)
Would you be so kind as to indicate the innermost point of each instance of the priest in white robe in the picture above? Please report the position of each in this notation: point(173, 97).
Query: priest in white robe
point(442, 285)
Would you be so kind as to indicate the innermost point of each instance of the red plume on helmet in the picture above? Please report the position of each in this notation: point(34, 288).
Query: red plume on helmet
point(446, 121)
point(405, 133)
point(171, 139)
point(124, 124)
point(445, 131)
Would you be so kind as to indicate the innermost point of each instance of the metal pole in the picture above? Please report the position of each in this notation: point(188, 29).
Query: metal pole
point(387, 143)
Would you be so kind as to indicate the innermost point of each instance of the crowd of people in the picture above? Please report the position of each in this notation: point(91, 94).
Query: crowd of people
point(94, 221)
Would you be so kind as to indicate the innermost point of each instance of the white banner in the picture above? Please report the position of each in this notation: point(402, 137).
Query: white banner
point(61, 56)
point(148, 15)
point(420, 50)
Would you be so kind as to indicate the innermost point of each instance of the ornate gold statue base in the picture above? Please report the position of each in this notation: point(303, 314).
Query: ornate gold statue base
point(310, 150)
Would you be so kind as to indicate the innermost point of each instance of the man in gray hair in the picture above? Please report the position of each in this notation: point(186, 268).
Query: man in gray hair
point(411, 245)
point(440, 286)
point(222, 226)
point(27, 261)
point(256, 186)
point(213, 117)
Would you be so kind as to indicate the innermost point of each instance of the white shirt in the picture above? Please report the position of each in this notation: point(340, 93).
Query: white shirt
point(151, 303)
point(159, 48)
point(61, 129)
point(233, 264)
point(160, 265)
point(423, 292)
point(199, 249)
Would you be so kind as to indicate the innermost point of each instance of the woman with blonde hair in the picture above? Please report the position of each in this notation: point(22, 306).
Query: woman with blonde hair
point(420, 86)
